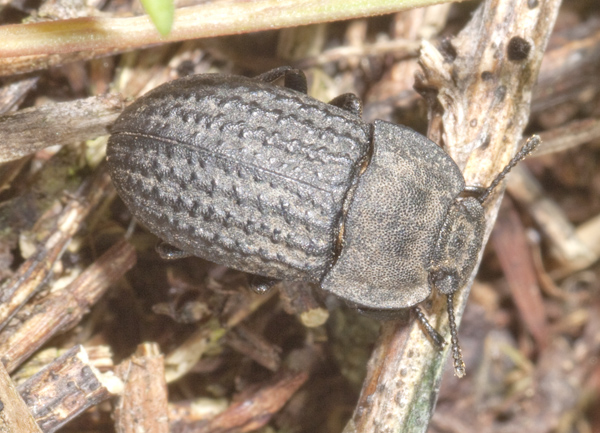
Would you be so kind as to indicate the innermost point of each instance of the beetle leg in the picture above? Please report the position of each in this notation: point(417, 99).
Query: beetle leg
point(473, 191)
point(169, 252)
point(349, 102)
point(437, 339)
point(260, 284)
point(294, 78)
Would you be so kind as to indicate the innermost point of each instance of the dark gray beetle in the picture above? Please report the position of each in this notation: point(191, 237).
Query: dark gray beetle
point(267, 180)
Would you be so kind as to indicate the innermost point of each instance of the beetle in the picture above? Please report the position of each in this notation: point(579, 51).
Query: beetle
point(267, 180)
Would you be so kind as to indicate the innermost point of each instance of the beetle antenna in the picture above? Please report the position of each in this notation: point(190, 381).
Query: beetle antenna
point(437, 339)
point(459, 365)
point(529, 146)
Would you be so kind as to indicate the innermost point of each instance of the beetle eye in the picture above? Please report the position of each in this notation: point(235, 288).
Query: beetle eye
point(444, 280)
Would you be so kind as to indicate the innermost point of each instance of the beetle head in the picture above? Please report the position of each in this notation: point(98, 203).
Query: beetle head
point(458, 246)
point(455, 257)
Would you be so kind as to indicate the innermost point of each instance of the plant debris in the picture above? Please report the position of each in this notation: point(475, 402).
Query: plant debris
point(98, 334)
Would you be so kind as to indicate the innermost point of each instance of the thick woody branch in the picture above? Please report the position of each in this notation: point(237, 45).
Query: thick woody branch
point(479, 91)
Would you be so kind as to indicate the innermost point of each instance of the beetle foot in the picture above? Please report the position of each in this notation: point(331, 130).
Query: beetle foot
point(349, 102)
point(435, 337)
point(261, 285)
point(169, 252)
point(459, 365)
point(294, 78)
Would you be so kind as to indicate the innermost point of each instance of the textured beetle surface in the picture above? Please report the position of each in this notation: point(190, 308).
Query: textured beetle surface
point(262, 178)
point(239, 172)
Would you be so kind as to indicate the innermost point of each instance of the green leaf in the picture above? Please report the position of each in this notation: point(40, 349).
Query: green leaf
point(161, 14)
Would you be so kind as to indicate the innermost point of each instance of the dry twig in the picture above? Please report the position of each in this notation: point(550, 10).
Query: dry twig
point(63, 309)
point(27, 131)
point(33, 273)
point(14, 413)
point(65, 388)
point(143, 403)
